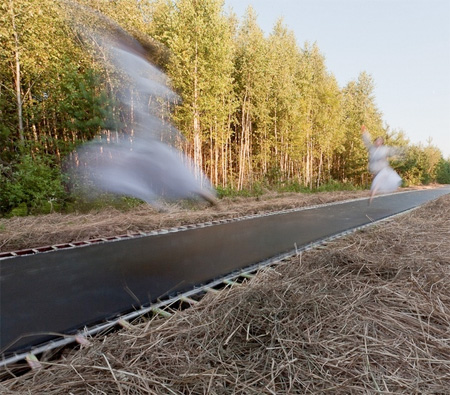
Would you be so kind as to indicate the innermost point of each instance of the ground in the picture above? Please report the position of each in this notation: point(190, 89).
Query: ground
point(30, 232)
point(368, 313)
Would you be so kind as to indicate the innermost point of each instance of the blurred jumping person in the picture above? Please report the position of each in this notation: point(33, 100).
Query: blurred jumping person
point(385, 179)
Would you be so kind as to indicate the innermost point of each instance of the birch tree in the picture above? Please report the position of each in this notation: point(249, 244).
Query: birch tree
point(284, 101)
point(359, 108)
point(199, 38)
point(252, 89)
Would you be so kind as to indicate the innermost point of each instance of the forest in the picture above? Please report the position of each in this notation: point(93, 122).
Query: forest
point(257, 111)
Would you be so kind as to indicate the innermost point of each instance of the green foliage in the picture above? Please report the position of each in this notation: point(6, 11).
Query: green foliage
point(419, 165)
point(358, 109)
point(258, 189)
point(20, 211)
point(83, 204)
point(82, 107)
point(333, 186)
point(200, 67)
point(59, 85)
point(330, 186)
point(443, 172)
point(33, 186)
point(258, 112)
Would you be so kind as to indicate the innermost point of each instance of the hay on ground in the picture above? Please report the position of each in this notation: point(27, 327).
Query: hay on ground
point(370, 313)
point(31, 232)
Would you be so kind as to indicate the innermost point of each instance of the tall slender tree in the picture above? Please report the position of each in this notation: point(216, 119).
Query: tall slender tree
point(199, 37)
point(252, 89)
point(359, 108)
point(284, 101)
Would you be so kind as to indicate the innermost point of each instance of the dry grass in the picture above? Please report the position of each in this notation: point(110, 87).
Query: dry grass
point(30, 232)
point(368, 314)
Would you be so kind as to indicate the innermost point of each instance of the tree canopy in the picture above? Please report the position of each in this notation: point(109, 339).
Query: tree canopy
point(256, 110)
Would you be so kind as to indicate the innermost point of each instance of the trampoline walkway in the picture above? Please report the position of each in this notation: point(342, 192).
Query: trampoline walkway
point(45, 295)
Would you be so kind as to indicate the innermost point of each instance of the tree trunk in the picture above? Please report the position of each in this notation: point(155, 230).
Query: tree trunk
point(244, 144)
point(197, 137)
point(320, 170)
point(17, 78)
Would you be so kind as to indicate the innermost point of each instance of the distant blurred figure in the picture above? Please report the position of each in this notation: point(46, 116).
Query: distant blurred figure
point(385, 180)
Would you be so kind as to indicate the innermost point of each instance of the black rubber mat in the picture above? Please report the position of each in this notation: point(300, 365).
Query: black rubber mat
point(58, 292)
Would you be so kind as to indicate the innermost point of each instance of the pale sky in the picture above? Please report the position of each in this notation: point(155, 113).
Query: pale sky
point(403, 44)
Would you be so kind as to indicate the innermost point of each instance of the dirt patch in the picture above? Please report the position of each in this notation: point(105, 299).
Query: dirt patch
point(369, 313)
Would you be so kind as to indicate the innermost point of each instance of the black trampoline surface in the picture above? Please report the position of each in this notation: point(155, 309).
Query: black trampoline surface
point(48, 294)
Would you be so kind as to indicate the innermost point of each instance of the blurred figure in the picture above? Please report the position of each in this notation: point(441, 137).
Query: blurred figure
point(145, 164)
point(385, 180)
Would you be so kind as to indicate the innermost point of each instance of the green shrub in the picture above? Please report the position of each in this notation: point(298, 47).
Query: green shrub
point(34, 183)
point(443, 172)
point(20, 211)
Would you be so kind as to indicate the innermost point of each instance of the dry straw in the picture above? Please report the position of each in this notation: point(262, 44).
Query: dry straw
point(368, 314)
point(29, 232)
